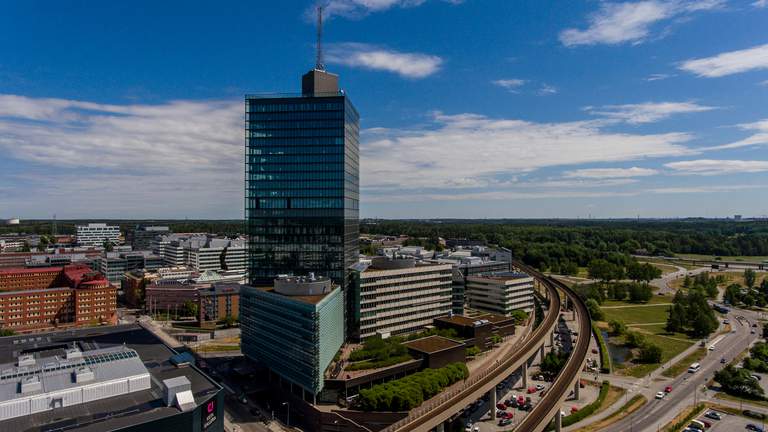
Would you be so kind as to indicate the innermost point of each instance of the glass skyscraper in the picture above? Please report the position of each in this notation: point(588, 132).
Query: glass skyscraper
point(301, 181)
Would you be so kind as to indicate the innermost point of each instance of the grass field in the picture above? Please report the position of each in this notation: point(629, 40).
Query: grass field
point(730, 276)
point(724, 258)
point(637, 314)
point(650, 321)
point(656, 299)
point(633, 405)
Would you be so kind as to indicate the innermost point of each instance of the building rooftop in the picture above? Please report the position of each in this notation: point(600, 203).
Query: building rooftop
point(432, 344)
point(503, 276)
point(309, 299)
point(479, 320)
point(115, 412)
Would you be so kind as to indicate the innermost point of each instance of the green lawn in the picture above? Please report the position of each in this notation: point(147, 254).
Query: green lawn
point(648, 320)
point(638, 314)
point(656, 299)
point(724, 258)
point(682, 365)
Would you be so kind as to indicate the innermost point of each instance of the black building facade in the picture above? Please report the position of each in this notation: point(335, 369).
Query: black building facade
point(302, 186)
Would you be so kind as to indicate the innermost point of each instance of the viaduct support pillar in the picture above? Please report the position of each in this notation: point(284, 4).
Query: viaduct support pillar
point(541, 354)
point(576, 388)
point(552, 339)
point(525, 375)
point(492, 403)
point(440, 428)
point(558, 421)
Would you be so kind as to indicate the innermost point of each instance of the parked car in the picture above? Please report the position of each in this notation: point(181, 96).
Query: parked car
point(574, 409)
point(714, 415)
point(531, 390)
point(520, 400)
point(508, 415)
point(668, 389)
point(501, 406)
point(754, 428)
point(509, 403)
point(757, 377)
point(722, 360)
point(539, 386)
point(660, 395)
point(505, 422)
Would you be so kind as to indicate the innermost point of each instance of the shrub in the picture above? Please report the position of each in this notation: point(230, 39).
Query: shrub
point(587, 410)
point(407, 393)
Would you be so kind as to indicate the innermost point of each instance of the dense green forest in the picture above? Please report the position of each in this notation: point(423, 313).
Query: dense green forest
point(561, 244)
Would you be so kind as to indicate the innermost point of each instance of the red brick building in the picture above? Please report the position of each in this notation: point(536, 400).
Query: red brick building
point(40, 298)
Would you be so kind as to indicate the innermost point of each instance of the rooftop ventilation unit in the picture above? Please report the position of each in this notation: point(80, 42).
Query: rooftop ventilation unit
point(178, 391)
point(29, 384)
point(73, 353)
point(26, 360)
point(83, 374)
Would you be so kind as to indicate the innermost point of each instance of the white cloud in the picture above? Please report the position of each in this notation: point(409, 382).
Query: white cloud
point(704, 189)
point(729, 63)
point(648, 112)
point(718, 167)
point(191, 150)
point(610, 173)
point(482, 151)
point(631, 22)
point(409, 65)
point(657, 77)
point(760, 3)
point(760, 137)
point(546, 90)
point(359, 8)
point(511, 84)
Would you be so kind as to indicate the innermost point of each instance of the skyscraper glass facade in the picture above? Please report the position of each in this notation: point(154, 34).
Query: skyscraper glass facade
point(302, 186)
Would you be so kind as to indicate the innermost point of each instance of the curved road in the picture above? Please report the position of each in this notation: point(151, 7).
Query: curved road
point(658, 412)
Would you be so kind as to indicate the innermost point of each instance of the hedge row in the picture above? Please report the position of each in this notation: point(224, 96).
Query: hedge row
point(684, 422)
point(409, 392)
point(587, 410)
point(605, 358)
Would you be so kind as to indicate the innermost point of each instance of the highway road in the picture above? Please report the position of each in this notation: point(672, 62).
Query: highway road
point(658, 412)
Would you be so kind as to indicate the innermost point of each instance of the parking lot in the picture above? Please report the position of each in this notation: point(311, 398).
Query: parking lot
point(512, 388)
point(731, 423)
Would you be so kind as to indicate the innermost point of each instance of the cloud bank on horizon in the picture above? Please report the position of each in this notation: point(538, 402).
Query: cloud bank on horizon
point(613, 109)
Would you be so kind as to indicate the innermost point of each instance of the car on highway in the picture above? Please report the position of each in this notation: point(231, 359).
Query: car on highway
point(660, 395)
point(714, 415)
point(668, 389)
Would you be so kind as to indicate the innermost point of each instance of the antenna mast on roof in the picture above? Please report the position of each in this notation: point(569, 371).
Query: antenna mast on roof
point(319, 56)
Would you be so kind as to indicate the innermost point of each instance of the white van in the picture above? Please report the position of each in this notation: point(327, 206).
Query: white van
point(694, 368)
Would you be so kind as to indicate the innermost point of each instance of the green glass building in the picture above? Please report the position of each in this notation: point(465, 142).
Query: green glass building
point(294, 328)
point(302, 187)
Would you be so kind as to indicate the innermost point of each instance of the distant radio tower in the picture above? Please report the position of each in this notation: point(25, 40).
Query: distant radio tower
point(319, 64)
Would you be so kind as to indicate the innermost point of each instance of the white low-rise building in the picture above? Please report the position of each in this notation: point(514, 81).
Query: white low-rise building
point(95, 234)
point(500, 293)
point(399, 296)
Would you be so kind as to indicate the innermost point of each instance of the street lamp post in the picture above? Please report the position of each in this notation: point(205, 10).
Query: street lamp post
point(288, 413)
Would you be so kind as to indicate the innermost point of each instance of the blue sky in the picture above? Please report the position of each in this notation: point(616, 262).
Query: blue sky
point(474, 108)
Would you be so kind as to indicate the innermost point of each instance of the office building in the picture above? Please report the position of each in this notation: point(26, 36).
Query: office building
point(117, 379)
point(96, 234)
point(302, 188)
point(295, 328)
point(398, 296)
point(202, 252)
point(141, 236)
point(42, 298)
point(500, 293)
point(114, 265)
point(465, 266)
point(219, 302)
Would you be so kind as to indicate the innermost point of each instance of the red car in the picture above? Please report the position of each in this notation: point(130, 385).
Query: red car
point(520, 400)
point(501, 406)
point(531, 390)
point(574, 409)
point(668, 389)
